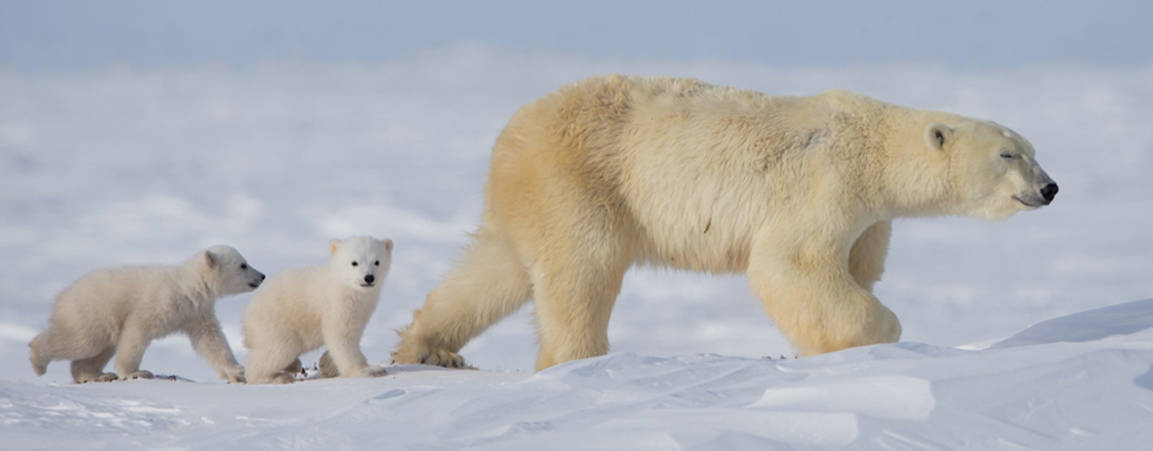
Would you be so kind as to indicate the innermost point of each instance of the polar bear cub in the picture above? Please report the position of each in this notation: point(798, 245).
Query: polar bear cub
point(121, 310)
point(302, 309)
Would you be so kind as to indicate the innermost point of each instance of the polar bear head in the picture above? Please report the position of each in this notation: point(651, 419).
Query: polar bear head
point(226, 271)
point(360, 261)
point(991, 171)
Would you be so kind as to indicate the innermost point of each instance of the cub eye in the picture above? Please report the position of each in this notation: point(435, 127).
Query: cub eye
point(244, 266)
point(377, 263)
point(354, 263)
point(1008, 155)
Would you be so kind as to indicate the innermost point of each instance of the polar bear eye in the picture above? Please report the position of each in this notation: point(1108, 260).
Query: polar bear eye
point(244, 266)
point(1007, 155)
point(354, 263)
point(377, 263)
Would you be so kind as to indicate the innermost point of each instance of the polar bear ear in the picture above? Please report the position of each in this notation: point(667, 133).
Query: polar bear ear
point(387, 243)
point(332, 245)
point(208, 259)
point(937, 135)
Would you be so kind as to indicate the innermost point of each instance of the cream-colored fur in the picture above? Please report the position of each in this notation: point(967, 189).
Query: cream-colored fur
point(796, 192)
point(304, 308)
point(121, 310)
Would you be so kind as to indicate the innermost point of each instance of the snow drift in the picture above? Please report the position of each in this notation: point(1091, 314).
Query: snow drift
point(1061, 390)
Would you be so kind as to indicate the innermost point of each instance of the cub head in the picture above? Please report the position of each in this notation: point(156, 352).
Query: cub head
point(227, 270)
point(360, 261)
point(992, 171)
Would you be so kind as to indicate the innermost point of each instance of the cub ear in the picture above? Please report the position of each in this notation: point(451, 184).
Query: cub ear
point(208, 259)
point(937, 135)
point(387, 243)
point(332, 245)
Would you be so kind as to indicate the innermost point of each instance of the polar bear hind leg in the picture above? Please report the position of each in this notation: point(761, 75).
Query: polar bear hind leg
point(486, 285)
point(58, 343)
point(92, 368)
point(269, 364)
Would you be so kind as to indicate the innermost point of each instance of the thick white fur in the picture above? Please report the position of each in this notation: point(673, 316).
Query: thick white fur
point(121, 310)
point(796, 192)
point(302, 309)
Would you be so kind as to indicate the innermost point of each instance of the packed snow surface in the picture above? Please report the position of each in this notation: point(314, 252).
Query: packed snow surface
point(1016, 334)
point(1065, 389)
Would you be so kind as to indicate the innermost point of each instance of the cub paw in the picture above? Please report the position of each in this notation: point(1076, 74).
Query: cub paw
point(140, 374)
point(234, 375)
point(327, 366)
point(101, 377)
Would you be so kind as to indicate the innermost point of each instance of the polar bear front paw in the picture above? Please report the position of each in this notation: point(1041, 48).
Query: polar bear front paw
point(888, 327)
point(234, 375)
point(444, 358)
point(101, 377)
point(139, 374)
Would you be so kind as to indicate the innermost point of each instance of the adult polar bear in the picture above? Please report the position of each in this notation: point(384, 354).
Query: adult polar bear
point(796, 192)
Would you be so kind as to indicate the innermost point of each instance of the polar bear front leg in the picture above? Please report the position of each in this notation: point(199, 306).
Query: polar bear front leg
point(342, 345)
point(806, 287)
point(328, 368)
point(867, 257)
point(209, 341)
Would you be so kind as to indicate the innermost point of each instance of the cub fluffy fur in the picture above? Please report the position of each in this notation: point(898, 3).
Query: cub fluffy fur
point(302, 309)
point(798, 193)
point(121, 310)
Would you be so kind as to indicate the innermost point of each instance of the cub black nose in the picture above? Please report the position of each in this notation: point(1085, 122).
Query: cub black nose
point(369, 278)
point(1049, 192)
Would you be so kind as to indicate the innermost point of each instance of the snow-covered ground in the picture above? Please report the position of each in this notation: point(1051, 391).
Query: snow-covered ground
point(1078, 382)
point(148, 165)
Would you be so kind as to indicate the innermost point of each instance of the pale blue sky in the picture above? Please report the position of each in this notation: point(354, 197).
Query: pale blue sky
point(72, 35)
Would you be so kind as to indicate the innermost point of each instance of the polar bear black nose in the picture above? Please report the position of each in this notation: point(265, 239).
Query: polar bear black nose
point(1049, 192)
point(369, 278)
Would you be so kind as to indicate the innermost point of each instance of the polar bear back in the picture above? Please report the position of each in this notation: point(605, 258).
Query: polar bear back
point(709, 222)
point(691, 169)
point(158, 297)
